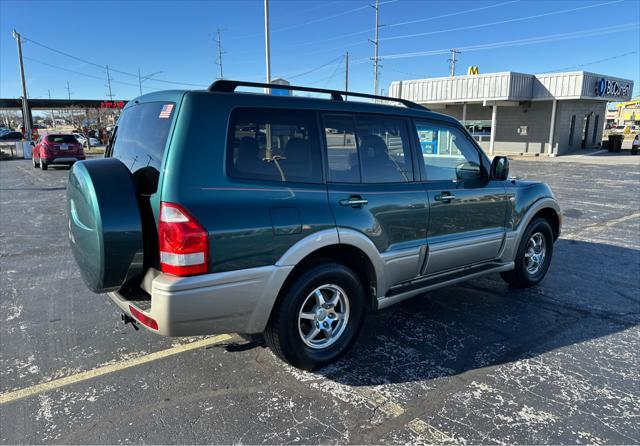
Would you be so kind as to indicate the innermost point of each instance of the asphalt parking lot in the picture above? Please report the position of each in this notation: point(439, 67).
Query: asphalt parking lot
point(474, 363)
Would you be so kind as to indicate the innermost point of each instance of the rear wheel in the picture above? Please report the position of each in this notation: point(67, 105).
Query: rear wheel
point(33, 162)
point(43, 164)
point(319, 317)
point(533, 257)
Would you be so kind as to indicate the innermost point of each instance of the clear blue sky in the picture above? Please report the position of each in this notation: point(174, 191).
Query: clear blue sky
point(177, 39)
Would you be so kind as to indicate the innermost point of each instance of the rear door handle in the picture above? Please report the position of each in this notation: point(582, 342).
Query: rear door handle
point(445, 197)
point(353, 202)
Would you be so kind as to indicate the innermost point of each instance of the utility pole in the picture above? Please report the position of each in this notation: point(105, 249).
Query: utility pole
point(267, 44)
point(346, 74)
point(68, 90)
point(109, 84)
point(375, 51)
point(140, 81)
point(452, 62)
point(220, 52)
point(53, 119)
point(26, 113)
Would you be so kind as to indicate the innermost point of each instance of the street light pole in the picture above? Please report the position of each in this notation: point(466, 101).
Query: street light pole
point(267, 43)
point(26, 113)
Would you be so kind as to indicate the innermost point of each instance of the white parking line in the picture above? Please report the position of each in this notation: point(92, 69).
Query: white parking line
point(111, 368)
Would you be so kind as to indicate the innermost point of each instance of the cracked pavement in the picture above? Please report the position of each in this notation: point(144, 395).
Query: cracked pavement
point(473, 363)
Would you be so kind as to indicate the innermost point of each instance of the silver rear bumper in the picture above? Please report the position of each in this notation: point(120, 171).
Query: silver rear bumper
point(234, 301)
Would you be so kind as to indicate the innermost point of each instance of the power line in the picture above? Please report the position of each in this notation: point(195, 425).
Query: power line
point(500, 22)
point(314, 69)
point(77, 72)
point(365, 31)
point(480, 25)
point(520, 42)
point(618, 56)
point(321, 19)
point(126, 73)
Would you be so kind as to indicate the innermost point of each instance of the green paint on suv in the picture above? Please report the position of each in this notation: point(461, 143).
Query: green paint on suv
point(290, 217)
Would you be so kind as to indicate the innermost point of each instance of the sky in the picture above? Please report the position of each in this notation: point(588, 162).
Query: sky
point(175, 42)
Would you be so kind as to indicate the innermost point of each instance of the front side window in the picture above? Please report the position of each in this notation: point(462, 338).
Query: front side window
point(276, 145)
point(447, 153)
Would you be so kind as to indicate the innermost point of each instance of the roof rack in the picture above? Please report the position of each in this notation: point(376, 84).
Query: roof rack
point(229, 86)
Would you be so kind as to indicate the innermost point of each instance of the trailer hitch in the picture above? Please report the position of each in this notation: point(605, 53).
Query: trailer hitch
point(129, 320)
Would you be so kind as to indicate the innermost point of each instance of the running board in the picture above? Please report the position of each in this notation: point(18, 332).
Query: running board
point(420, 286)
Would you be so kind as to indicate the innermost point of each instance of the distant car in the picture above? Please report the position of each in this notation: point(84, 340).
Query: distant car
point(83, 140)
point(10, 136)
point(56, 149)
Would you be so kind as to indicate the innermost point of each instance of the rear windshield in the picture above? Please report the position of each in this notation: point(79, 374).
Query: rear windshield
point(62, 139)
point(141, 135)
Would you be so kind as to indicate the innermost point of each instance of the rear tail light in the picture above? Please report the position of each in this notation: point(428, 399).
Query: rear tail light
point(184, 248)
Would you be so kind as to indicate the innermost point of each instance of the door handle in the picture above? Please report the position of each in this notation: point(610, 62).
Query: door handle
point(445, 197)
point(353, 202)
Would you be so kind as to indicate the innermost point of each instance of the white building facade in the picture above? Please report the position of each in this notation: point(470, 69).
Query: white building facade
point(517, 113)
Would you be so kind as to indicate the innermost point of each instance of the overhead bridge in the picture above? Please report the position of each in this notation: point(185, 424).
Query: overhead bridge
point(16, 103)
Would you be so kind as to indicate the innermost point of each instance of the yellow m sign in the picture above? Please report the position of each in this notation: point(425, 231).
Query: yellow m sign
point(473, 70)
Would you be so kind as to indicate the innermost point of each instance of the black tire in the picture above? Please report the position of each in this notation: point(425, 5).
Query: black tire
point(43, 164)
point(33, 161)
point(283, 334)
point(634, 150)
point(521, 277)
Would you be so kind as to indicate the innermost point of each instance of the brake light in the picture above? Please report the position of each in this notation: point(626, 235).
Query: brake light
point(184, 248)
point(143, 318)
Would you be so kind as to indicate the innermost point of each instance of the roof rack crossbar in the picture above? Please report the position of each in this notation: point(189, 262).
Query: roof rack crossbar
point(229, 86)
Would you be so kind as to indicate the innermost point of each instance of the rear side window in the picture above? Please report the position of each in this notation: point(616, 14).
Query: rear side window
point(385, 151)
point(367, 149)
point(62, 139)
point(141, 135)
point(275, 145)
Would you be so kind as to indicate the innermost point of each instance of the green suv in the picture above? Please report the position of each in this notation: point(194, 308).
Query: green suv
point(290, 217)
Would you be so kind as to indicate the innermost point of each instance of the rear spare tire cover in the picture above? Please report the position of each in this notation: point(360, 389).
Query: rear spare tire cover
point(105, 230)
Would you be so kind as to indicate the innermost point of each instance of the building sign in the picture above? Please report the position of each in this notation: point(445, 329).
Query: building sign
point(112, 104)
point(473, 69)
point(608, 87)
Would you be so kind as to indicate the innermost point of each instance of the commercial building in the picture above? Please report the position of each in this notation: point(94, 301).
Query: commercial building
point(553, 114)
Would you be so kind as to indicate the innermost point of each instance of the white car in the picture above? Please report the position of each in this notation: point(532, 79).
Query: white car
point(83, 140)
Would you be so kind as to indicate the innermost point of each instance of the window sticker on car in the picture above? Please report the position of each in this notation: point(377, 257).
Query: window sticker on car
point(166, 111)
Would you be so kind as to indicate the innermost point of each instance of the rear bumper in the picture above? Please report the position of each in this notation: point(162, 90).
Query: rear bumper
point(235, 301)
point(64, 159)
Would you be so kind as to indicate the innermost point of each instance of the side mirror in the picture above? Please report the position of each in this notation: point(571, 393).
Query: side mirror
point(33, 143)
point(500, 168)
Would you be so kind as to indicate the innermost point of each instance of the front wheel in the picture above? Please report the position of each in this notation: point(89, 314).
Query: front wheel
point(533, 257)
point(319, 317)
point(33, 162)
point(43, 164)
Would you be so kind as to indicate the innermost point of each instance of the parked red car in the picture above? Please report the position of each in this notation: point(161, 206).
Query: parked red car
point(56, 149)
